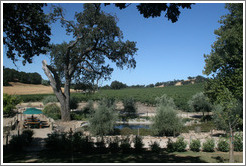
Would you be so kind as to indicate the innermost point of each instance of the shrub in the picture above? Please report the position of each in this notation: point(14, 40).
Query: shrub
point(238, 142)
point(125, 145)
point(9, 103)
point(180, 144)
point(114, 145)
point(170, 146)
point(166, 121)
point(130, 109)
point(100, 145)
point(199, 102)
point(208, 145)
point(102, 120)
point(49, 99)
point(155, 147)
point(195, 145)
point(19, 141)
point(138, 144)
point(223, 145)
point(53, 111)
point(68, 141)
point(77, 115)
point(88, 108)
point(73, 102)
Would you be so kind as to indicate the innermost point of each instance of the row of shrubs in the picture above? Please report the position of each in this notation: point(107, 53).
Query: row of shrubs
point(78, 142)
point(18, 142)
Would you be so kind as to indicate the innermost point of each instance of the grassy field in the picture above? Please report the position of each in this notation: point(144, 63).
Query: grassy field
point(180, 94)
point(144, 157)
point(18, 88)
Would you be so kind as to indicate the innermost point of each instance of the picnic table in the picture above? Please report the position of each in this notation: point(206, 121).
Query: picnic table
point(35, 123)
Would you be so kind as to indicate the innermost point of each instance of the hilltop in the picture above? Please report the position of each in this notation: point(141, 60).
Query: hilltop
point(21, 89)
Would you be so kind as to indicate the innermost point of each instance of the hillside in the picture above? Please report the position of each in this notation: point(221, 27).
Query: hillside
point(21, 89)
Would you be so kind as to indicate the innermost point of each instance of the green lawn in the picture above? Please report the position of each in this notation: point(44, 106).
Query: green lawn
point(145, 157)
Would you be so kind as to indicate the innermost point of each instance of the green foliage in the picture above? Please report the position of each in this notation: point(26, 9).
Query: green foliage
point(103, 119)
point(100, 145)
point(45, 82)
point(117, 85)
point(195, 145)
point(178, 146)
point(125, 145)
point(172, 10)
point(18, 142)
point(200, 103)
point(49, 99)
point(9, 103)
point(26, 30)
point(238, 142)
point(166, 121)
point(130, 109)
point(138, 144)
point(228, 111)
point(74, 102)
point(226, 58)
point(114, 146)
point(208, 145)
point(53, 111)
point(180, 95)
point(165, 101)
point(223, 145)
point(69, 142)
point(155, 147)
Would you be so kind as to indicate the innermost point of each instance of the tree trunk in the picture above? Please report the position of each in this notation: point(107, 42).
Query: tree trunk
point(63, 98)
point(231, 152)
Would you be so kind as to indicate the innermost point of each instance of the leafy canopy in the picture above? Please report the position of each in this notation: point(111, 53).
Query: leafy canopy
point(25, 30)
point(97, 40)
point(225, 62)
point(156, 9)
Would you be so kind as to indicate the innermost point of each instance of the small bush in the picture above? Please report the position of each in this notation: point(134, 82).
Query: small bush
point(155, 147)
point(238, 142)
point(195, 145)
point(180, 144)
point(49, 99)
point(114, 145)
point(130, 109)
point(138, 144)
point(170, 146)
point(53, 111)
point(125, 145)
point(73, 102)
point(223, 145)
point(209, 145)
point(18, 142)
point(100, 145)
point(88, 108)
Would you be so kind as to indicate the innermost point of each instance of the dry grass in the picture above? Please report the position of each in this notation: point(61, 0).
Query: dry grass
point(21, 89)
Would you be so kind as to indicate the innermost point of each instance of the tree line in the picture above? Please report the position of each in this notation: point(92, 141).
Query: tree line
point(12, 75)
point(119, 85)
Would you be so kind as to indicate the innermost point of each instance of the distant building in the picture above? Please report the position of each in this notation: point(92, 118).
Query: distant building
point(160, 86)
point(178, 84)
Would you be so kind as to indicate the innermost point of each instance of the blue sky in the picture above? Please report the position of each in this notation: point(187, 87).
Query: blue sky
point(166, 50)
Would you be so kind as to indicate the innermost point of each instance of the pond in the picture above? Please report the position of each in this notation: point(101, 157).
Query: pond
point(132, 126)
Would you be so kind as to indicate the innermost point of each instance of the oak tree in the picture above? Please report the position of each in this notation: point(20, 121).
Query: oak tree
point(97, 38)
point(225, 63)
point(26, 30)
